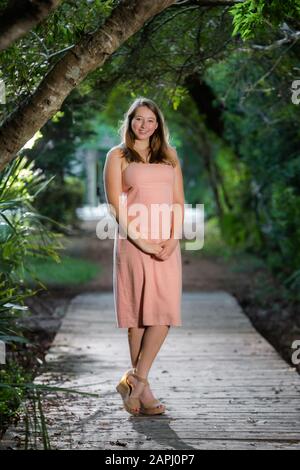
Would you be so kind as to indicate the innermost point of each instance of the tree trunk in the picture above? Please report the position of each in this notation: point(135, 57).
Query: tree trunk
point(204, 98)
point(210, 168)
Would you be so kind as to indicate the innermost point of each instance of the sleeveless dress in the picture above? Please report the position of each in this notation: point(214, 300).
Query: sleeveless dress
point(147, 291)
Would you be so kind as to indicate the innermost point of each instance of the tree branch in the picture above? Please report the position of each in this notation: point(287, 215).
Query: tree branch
point(208, 3)
point(292, 38)
point(21, 16)
point(89, 54)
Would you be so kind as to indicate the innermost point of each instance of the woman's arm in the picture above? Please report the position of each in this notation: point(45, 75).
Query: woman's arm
point(177, 218)
point(113, 189)
point(178, 200)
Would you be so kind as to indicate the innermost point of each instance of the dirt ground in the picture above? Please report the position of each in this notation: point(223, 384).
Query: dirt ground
point(279, 324)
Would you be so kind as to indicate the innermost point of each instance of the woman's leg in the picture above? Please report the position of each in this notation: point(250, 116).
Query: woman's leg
point(152, 341)
point(135, 337)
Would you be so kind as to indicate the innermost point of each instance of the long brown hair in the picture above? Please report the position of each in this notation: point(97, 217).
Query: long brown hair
point(158, 142)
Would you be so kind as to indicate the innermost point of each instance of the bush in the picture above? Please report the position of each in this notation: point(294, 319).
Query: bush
point(23, 234)
point(60, 200)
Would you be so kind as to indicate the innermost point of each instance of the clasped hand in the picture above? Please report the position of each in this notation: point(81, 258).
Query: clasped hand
point(161, 250)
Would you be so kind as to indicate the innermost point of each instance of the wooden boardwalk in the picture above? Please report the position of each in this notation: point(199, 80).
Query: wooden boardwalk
point(224, 386)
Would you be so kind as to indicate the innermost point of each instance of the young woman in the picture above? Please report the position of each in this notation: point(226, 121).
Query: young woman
point(147, 276)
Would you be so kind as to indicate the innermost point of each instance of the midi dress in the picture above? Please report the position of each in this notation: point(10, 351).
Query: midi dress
point(147, 290)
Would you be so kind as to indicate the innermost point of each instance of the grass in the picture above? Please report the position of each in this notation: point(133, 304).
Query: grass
point(69, 272)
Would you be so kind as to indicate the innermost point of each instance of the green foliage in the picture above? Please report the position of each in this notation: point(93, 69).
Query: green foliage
point(240, 230)
point(55, 152)
point(251, 16)
point(59, 202)
point(238, 222)
point(260, 126)
point(12, 392)
point(214, 243)
point(42, 47)
point(23, 234)
point(215, 246)
point(176, 95)
point(285, 230)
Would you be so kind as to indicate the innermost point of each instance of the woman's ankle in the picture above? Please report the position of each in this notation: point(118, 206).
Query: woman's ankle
point(138, 389)
point(142, 374)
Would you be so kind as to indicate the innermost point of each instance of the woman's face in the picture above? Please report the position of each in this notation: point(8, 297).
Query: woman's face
point(144, 123)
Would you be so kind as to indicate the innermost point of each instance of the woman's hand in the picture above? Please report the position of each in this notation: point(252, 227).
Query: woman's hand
point(168, 246)
point(148, 247)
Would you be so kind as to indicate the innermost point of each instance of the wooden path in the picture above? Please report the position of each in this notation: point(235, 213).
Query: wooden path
point(224, 386)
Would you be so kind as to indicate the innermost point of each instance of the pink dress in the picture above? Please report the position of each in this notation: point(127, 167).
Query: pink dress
point(147, 291)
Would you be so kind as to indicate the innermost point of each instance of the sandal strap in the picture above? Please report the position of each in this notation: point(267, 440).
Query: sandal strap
point(152, 404)
point(140, 379)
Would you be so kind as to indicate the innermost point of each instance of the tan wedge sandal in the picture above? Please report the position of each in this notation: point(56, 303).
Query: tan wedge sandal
point(153, 407)
point(131, 404)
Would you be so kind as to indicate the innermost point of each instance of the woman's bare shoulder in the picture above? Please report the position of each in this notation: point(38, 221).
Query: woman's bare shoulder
point(172, 150)
point(173, 154)
point(115, 151)
point(115, 156)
